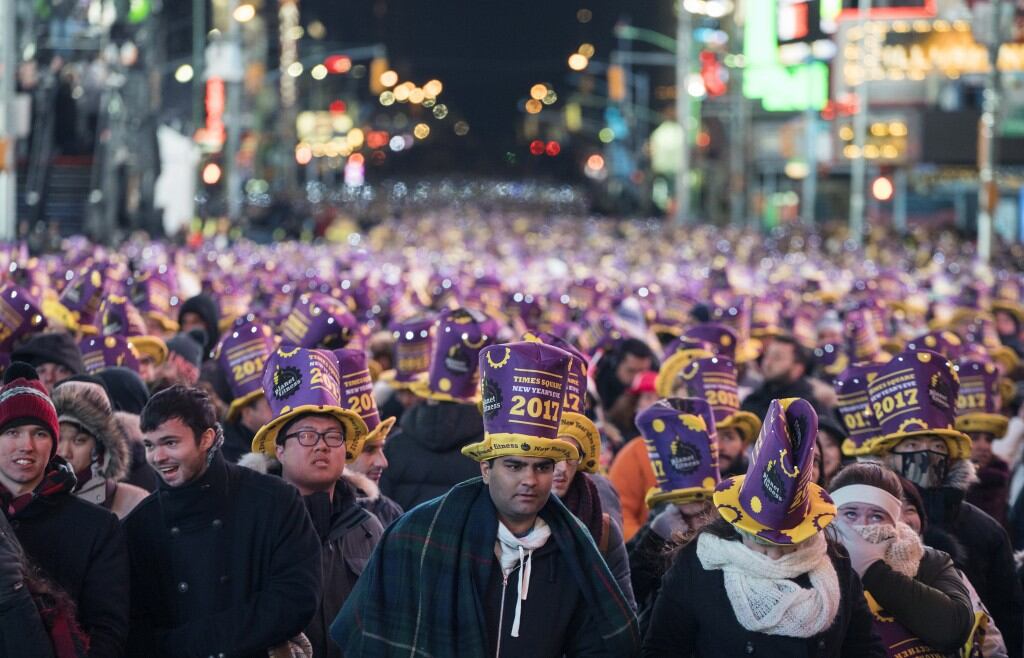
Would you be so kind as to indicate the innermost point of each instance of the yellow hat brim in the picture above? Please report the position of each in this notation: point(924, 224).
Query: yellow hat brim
point(1006, 357)
point(56, 312)
point(583, 430)
point(656, 496)
point(1012, 308)
point(380, 433)
point(520, 445)
point(150, 346)
point(820, 513)
point(166, 323)
point(389, 377)
point(235, 408)
point(352, 425)
point(744, 422)
point(749, 350)
point(421, 388)
point(850, 449)
point(664, 382)
point(959, 443)
point(983, 422)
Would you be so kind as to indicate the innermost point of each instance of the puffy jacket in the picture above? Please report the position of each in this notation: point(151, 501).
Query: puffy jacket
point(425, 455)
point(632, 476)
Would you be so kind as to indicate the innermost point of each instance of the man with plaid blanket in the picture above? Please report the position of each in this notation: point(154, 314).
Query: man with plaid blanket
point(496, 566)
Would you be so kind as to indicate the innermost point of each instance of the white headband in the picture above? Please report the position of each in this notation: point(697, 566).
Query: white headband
point(865, 493)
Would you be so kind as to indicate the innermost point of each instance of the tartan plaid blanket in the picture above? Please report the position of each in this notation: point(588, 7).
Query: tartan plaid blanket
point(420, 595)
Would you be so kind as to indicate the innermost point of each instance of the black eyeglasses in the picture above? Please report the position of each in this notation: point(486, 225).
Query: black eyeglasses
point(309, 438)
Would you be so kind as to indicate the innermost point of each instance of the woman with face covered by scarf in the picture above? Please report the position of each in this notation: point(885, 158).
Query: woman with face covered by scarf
point(918, 600)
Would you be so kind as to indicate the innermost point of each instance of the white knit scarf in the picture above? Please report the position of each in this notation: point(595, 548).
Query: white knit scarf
point(511, 550)
point(904, 551)
point(764, 597)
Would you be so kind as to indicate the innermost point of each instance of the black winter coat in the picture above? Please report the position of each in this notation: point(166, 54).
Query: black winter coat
point(81, 547)
point(934, 604)
point(554, 620)
point(237, 441)
point(693, 617)
point(227, 564)
point(348, 534)
point(988, 561)
point(21, 630)
point(425, 456)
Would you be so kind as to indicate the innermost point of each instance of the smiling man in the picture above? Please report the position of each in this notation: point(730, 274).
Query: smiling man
point(496, 566)
point(78, 545)
point(224, 560)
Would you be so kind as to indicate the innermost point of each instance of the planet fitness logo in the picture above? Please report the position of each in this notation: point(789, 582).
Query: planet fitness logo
point(287, 381)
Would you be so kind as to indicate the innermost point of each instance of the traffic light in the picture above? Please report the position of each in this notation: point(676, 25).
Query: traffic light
point(616, 83)
point(882, 188)
point(377, 67)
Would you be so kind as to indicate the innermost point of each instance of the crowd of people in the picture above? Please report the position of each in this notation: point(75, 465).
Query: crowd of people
point(498, 436)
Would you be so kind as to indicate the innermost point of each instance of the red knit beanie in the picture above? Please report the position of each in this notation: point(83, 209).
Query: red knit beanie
point(24, 400)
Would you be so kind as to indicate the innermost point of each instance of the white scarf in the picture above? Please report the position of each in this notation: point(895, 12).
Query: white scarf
point(511, 550)
point(904, 551)
point(761, 590)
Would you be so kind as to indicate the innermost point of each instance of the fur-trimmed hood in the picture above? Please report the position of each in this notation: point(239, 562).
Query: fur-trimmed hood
point(962, 474)
point(367, 489)
point(87, 406)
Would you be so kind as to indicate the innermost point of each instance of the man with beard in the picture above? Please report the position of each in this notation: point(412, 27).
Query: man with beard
point(784, 364)
point(496, 566)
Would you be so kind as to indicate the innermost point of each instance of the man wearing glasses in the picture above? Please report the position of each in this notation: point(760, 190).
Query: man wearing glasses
point(313, 436)
point(224, 560)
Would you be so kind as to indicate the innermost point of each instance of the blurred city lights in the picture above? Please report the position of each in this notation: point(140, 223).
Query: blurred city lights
point(433, 88)
point(388, 78)
point(295, 69)
point(586, 49)
point(355, 138)
point(319, 72)
point(184, 73)
point(536, 147)
point(211, 173)
point(881, 188)
point(244, 13)
point(421, 130)
point(584, 15)
point(397, 143)
point(303, 154)
point(402, 93)
point(578, 62)
point(538, 91)
point(416, 96)
point(440, 111)
point(552, 148)
point(595, 162)
point(338, 64)
point(387, 98)
point(337, 106)
point(606, 135)
point(549, 98)
point(461, 128)
point(316, 30)
point(533, 106)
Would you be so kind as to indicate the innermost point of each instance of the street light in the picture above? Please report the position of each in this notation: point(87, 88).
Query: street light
point(244, 13)
point(184, 73)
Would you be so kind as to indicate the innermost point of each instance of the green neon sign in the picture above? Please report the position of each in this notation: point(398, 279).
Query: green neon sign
point(780, 88)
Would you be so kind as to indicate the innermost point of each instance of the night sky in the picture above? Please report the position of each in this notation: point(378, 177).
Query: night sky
point(487, 53)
